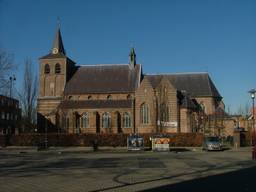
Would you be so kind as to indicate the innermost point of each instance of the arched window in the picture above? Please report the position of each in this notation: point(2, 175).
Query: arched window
point(109, 97)
point(47, 69)
point(65, 122)
point(144, 114)
point(127, 120)
point(164, 112)
point(85, 120)
point(57, 68)
point(106, 120)
point(89, 97)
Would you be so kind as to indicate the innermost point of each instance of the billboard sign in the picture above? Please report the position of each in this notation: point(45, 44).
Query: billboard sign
point(160, 144)
point(135, 142)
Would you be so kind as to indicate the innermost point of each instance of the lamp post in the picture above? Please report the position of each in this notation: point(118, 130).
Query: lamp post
point(252, 93)
point(45, 132)
point(12, 78)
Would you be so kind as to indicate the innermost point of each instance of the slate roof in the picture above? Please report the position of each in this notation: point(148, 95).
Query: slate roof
point(92, 104)
point(104, 79)
point(196, 84)
point(58, 44)
point(189, 103)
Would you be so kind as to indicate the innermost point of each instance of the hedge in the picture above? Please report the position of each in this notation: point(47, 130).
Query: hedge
point(176, 139)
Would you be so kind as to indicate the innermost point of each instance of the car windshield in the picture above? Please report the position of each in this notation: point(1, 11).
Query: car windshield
point(213, 139)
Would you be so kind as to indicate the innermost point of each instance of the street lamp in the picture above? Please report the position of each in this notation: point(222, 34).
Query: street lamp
point(12, 78)
point(252, 93)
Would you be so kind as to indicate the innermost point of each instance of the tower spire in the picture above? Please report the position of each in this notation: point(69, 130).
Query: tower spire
point(58, 46)
point(132, 57)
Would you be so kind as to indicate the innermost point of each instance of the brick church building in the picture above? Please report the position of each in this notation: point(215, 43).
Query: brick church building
point(120, 98)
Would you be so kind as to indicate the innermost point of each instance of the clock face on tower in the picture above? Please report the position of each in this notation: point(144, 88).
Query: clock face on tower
point(55, 51)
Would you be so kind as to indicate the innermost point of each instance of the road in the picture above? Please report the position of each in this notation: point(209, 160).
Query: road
point(80, 169)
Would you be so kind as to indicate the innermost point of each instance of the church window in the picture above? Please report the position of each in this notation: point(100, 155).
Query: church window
point(109, 97)
point(144, 113)
point(85, 120)
point(203, 108)
point(127, 120)
point(106, 120)
point(164, 112)
point(47, 69)
point(57, 68)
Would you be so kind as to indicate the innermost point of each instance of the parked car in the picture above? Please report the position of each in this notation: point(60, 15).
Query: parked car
point(212, 144)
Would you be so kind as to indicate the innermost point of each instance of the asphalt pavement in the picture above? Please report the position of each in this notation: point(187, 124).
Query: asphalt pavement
point(116, 169)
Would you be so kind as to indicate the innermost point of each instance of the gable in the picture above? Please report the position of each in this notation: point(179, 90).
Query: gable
point(196, 84)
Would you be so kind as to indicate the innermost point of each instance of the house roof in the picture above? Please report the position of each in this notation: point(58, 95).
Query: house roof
point(92, 104)
point(104, 79)
point(195, 84)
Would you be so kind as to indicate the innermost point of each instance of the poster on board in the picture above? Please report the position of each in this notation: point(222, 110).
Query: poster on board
point(135, 142)
point(160, 144)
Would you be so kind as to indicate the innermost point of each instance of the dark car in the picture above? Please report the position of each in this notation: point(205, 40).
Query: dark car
point(212, 144)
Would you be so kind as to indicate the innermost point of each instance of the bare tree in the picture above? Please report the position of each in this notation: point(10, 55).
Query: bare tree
point(28, 96)
point(6, 67)
point(244, 110)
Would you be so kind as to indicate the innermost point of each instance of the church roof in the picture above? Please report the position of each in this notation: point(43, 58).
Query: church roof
point(196, 84)
point(92, 104)
point(58, 43)
point(104, 79)
point(58, 50)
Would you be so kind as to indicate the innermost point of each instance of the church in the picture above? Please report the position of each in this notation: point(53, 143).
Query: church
point(119, 98)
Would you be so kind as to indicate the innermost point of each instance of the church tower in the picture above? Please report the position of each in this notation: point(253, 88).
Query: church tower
point(55, 70)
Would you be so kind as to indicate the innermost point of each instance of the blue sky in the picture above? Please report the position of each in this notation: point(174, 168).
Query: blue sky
point(169, 36)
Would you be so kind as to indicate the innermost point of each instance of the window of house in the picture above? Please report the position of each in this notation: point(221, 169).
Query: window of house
point(144, 113)
point(47, 69)
point(127, 120)
point(2, 115)
point(89, 97)
point(106, 120)
point(85, 120)
point(57, 68)
point(7, 116)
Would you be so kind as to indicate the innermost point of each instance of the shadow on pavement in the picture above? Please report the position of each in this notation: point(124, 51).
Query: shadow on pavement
point(241, 180)
point(179, 149)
